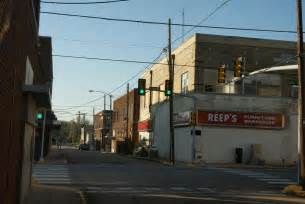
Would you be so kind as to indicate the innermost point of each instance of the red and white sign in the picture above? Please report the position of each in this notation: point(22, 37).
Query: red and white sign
point(239, 119)
point(144, 126)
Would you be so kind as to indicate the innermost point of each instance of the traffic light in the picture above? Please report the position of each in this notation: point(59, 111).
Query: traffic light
point(238, 66)
point(39, 116)
point(222, 74)
point(168, 88)
point(141, 87)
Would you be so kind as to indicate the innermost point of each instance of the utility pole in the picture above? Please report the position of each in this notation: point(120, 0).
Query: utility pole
point(43, 134)
point(150, 101)
point(243, 74)
point(84, 124)
point(110, 100)
point(301, 101)
point(85, 136)
point(104, 101)
point(171, 78)
point(183, 25)
point(93, 121)
point(78, 131)
point(127, 116)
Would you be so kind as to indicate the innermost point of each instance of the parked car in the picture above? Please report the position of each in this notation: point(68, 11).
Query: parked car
point(83, 147)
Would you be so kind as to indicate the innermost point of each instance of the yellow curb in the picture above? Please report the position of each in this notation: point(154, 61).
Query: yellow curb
point(34, 181)
point(80, 193)
point(296, 190)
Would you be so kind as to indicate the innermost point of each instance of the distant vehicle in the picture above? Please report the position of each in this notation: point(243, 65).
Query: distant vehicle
point(83, 147)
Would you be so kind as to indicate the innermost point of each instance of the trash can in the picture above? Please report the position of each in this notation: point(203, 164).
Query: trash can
point(238, 155)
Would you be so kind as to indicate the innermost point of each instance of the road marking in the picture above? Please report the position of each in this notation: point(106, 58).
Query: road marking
point(282, 182)
point(51, 174)
point(179, 189)
point(274, 179)
point(152, 189)
point(206, 189)
point(124, 188)
point(259, 176)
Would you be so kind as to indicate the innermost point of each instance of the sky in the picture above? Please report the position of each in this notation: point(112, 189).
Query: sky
point(73, 78)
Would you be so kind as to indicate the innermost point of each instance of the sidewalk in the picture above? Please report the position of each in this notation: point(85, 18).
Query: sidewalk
point(55, 195)
point(217, 165)
point(54, 156)
point(51, 194)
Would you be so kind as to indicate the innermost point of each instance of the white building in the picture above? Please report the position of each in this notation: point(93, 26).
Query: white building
point(264, 127)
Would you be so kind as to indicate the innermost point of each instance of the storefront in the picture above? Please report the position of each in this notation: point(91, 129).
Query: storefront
point(222, 126)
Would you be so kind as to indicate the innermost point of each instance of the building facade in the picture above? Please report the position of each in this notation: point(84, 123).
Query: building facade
point(211, 127)
point(196, 71)
point(103, 130)
point(126, 138)
point(25, 88)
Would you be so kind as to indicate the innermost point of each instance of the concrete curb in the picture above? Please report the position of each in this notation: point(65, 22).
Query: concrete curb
point(77, 191)
point(295, 190)
point(167, 163)
point(198, 165)
point(245, 166)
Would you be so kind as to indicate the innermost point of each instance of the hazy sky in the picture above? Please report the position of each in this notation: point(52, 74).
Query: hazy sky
point(120, 40)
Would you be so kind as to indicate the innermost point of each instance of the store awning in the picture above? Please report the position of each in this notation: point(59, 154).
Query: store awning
point(41, 94)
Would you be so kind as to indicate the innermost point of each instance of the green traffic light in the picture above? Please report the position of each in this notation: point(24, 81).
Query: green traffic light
point(142, 91)
point(39, 116)
point(168, 93)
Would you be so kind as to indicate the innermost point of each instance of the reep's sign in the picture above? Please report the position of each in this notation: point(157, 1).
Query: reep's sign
point(240, 119)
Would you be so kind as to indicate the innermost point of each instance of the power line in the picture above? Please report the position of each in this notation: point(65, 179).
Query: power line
point(82, 3)
point(164, 23)
point(138, 73)
point(124, 83)
point(116, 60)
point(95, 42)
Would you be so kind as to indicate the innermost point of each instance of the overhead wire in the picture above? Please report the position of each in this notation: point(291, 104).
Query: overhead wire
point(115, 60)
point(82, 3)
point(107, 43)
point(165, 23)
point(138, 73)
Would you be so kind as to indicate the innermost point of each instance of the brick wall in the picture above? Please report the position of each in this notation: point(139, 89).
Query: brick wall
point(18, 40)
point(119, 116)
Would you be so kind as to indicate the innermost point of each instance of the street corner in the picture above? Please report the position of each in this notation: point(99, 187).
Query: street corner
point(34, 181)
point(56, 195)
point(295, 190)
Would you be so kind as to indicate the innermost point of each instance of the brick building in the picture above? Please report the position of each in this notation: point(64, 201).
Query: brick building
point(125, 142)
point(25, 87)
point(103, 130)
point(196, 70)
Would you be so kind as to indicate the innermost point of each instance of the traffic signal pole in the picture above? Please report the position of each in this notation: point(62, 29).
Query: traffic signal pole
point(127, 117)
point(301, 101)
point(171, 78)
point(43, 133)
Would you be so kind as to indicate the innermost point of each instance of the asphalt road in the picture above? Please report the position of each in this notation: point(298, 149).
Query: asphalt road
point(110, 178)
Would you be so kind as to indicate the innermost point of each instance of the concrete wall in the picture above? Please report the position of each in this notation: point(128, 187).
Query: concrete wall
point(28, 148)
point(217, 144)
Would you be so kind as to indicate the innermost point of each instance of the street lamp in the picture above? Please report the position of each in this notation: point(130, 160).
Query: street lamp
point(105, 93)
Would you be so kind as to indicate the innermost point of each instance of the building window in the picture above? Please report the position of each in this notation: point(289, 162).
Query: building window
point(184, 82)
